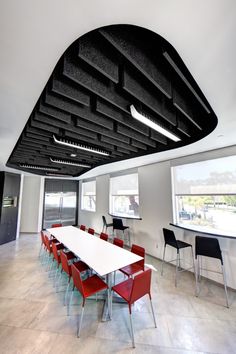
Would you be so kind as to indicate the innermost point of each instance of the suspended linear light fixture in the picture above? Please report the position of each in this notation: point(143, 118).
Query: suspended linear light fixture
point(135, 114)
point(79, 146)
point(35, 167)
point(57, 174)
point(65, 162)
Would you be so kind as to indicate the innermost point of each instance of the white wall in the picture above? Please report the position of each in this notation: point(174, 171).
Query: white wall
point(32, 204)
point(156, 212)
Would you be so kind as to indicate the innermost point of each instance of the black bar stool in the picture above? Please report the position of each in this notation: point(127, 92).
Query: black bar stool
point(209, 247)
point(118, 225)
point(170, 240)
point(105, 224)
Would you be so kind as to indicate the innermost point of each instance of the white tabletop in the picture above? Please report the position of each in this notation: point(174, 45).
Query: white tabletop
point(98, 254)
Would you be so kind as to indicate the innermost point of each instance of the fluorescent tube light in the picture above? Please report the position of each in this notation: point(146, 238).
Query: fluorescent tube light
point(80, 146)
point(135, 114)
point(57, 175)
point(35, 167)
point(65, 162)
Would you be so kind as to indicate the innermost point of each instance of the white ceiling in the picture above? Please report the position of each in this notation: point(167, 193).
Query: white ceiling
point(34, 34)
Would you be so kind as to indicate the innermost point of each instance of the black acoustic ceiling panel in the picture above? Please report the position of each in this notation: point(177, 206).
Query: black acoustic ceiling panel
point(83, 117)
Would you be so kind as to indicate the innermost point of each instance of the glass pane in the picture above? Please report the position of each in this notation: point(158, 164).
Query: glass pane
point(213, 212)
point(125, 205)
point(89, 202)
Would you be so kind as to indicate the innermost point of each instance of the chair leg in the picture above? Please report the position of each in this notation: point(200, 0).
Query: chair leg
point(194, 270)
point(111, 304)
point(81, 319)
point(67, 288)
point(153, 313)
point(55, 277)
point(196, 278)
point(132, 330)
point(163, 259)
point(176, 268)
point(69, 302)
point(59, 282)
point(225, 286)
point(128, 231)
point(199, 268)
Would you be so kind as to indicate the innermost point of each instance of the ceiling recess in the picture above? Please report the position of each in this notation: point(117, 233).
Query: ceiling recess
point(83, 118)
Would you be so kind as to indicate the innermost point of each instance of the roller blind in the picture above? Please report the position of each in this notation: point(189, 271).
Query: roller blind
point(209, 177)
point(124, 185)
point(89, 188)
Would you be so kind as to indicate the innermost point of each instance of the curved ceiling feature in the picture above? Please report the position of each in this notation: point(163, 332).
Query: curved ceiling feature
point(117, 92)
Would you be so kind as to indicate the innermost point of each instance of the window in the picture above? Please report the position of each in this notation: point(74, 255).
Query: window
point(88, 201)
point(204, 195)
point(124, 196)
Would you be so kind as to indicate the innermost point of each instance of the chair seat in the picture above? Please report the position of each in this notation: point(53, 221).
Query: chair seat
point(124, 289)
point(92, 285)
point(182, 244)
point(131, 269)
point(69, 255)
point(81, 266)
point(54, 240)
point(108, 225)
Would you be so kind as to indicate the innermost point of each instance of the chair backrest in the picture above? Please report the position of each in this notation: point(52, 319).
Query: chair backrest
point(43, 238)
point(56, 225)
point(208, 246)
point(47, 243)
point(141, 286)
point(64, 263)
point(104, 236)
point(82, 227)
point(91, 231)
point(140, 251)
point(169, 238)
point(104, 221)
point(117, 224)
point(77, 279)
point(55, 252)
point(118, 242)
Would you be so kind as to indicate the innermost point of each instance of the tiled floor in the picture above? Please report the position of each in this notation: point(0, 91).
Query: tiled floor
point(34, 320)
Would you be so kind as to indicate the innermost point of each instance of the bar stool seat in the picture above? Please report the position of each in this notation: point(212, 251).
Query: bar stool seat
point(118, 225)
point(209, 247)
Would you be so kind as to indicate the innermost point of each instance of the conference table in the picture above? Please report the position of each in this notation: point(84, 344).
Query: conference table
point(101, 256)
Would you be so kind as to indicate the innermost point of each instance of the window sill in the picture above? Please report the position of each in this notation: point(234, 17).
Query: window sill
point(204, 231)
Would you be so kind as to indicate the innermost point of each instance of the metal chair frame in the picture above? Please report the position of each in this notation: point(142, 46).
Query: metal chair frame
point(198, 257)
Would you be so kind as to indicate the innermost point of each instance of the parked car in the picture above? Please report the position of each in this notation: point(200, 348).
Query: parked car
point(185, 215)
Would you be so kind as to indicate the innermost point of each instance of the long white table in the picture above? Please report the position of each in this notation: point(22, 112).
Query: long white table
point(102, 256)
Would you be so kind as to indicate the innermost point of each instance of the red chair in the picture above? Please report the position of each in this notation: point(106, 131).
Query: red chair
point(87, 287)
point(56, 225)
point(133, 289)
point(118, 242)
point(56, 248)
point(43, 243)
point(48, 244)
point(103, 236)
point(91, 231)
point(136, 267)
point(66, 267)
point(82, 227)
